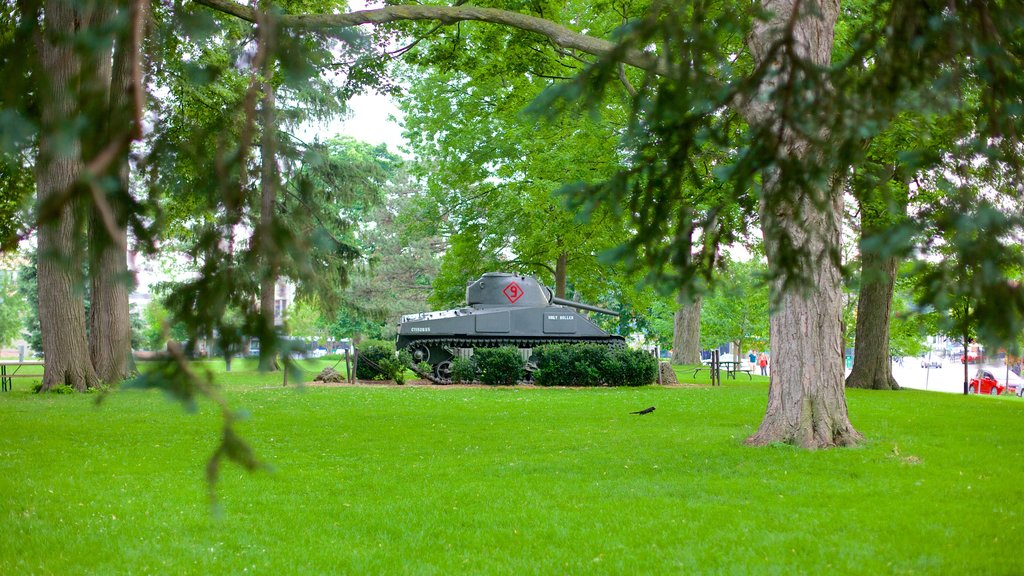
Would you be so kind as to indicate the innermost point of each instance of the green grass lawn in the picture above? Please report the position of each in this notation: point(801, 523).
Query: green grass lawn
point(441, 480)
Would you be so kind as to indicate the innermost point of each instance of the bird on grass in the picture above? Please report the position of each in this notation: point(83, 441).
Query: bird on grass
point(644, 411)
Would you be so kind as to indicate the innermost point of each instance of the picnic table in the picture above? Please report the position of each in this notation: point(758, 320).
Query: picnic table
point(734, 366)
point(731, 368)
point(9, 370)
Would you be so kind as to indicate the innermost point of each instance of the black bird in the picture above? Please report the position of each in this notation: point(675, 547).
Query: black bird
point(644, 411)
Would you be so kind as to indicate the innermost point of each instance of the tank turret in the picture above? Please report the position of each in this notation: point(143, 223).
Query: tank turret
point(501, 289)
point(502, 309)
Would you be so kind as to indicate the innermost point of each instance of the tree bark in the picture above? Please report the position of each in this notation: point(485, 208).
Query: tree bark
point(686, 332)
point(557, 34)
point(110, 335)
point(806, 396)
point(59, 165)
point(561, 272)
point(872, 366)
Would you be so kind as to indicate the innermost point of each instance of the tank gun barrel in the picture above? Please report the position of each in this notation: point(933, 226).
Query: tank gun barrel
point(581, 306)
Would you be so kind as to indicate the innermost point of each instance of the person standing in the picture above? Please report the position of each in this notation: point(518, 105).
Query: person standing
point(762, 361)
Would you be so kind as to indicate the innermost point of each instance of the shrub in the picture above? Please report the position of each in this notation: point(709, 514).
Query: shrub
point(378, 361)
point(569, 364)
point(593, 365)
point(396, 367)
point(424, 368)
point(625, 367)
point(463, 370)
point(58, 389)
point(499, 366)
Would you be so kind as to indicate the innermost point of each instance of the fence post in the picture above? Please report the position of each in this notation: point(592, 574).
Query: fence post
point(348, 371)
point(355, 364)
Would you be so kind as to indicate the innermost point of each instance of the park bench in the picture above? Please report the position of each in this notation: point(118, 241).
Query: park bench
point(9, 371)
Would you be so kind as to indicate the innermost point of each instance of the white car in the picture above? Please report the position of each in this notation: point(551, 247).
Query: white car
point(1013, 385)
point(318, 353)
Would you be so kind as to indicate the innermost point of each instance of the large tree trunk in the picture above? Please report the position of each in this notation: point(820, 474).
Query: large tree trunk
point(872, 367)
point(806, 396)
point(686, 332)
point(61, 306)
point(109, 321)
point(872, 363)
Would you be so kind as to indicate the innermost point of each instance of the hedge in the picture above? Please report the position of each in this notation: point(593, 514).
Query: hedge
point(378, 361)
point(499, 366)
point(463, 371)
point(593, 365)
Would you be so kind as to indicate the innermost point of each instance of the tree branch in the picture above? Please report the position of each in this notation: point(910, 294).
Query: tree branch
point(447, 15)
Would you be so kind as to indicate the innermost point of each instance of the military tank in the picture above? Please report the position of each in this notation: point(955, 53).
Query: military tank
point(502, 310)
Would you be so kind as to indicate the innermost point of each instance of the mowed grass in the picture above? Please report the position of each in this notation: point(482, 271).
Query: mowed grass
point(441, 480)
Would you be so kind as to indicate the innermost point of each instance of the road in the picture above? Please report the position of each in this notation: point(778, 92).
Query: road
point(949, 378)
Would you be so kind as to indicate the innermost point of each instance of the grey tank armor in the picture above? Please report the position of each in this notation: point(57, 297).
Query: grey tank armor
point(502, 310)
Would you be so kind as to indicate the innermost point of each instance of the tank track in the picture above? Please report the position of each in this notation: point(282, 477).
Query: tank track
point(476, 342)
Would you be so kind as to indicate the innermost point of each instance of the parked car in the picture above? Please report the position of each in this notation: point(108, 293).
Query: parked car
point(318, 353)
point(931, 363)
point(1015, 385)
point(984, 382)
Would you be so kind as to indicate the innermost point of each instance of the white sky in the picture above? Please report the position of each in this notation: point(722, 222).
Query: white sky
point(373, 120)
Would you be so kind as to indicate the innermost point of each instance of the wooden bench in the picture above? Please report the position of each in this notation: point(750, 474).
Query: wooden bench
point(7, 375)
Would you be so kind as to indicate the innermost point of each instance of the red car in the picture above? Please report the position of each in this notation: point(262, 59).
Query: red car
point(985, 383)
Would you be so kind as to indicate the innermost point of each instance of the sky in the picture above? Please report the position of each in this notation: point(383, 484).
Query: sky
point(372, 120)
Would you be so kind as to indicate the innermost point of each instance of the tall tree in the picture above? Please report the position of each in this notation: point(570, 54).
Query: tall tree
point(686, 331)
point(115, 97)
point(872, 365)
point(58, 168)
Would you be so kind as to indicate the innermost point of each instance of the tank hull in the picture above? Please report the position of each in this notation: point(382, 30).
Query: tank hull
point(439, 337)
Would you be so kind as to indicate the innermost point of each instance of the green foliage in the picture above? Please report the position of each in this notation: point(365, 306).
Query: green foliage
point(736, 310)
point(398, 264)
point(154, 316)
point(139, 328)
point(935, 95)
point(569, 364)
point(28, 291)
point(379, 361)
point(493, 173)
point(977, 291)
point(397, 366)
point(498, 366)
point(13, 308)
point(592, 365)
point(627, 367)
point(18, 186)
point(58, 389)
point(463, 370)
